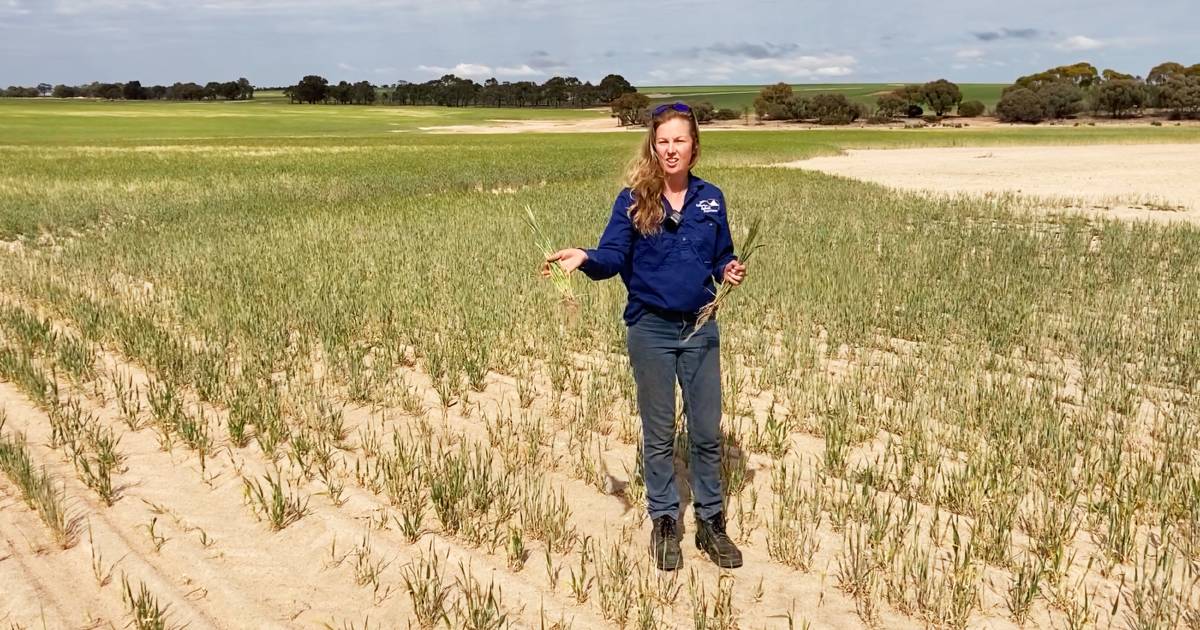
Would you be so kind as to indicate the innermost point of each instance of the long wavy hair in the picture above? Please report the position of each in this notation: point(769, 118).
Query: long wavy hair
point(645, 176)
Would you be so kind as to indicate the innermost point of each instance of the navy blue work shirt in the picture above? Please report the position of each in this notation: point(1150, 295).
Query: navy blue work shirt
point(671, 270)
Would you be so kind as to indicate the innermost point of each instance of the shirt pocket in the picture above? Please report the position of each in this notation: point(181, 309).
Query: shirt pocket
point(701, 237)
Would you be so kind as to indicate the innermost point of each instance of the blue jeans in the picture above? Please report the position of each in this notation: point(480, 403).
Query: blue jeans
point(659, 356)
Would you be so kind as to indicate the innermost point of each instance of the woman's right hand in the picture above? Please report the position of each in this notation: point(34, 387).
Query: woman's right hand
point(568, 259)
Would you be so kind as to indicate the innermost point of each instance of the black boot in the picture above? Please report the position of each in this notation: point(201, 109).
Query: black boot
point(712, 539)
point(664, 544)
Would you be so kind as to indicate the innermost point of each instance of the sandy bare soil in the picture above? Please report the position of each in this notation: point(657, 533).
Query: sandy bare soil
point(1153, 182)
point(533, 126)
point(188, 534)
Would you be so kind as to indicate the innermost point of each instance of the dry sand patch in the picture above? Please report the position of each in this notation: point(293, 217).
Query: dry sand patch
point(1153, 182)
point(531, 126)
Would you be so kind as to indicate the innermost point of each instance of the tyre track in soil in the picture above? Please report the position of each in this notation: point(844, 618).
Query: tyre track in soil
point(784, 588)
point(32, 567)
point(246, 556)
point(346, 524)
point(789, 589)
point(172, 487)
point(109, 538)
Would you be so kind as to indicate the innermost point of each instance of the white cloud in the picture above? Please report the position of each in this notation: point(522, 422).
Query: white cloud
point(1079, 42)
point(480, 71)
point(12, 7)
point(522, 70)
point(456, 8)
point(518, 39)
point(719, 61)
point(835, 71)
point(787, 67)
point(76, 7)
point(342, 65)
point(470, 70)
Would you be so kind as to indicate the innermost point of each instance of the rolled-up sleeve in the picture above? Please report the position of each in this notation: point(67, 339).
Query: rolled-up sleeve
point(608, 258)
point(724, 243)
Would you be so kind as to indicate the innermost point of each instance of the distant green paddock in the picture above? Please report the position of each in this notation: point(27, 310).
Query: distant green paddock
point(270, 115)
point(738, 96)
point(51, 121)
point(66, 163)
point(267, 115)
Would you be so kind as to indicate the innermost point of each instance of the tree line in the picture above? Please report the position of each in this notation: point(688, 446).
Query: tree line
point(633, 108)
point(1170, 88)
point(454, 91)
point(779, 102)
point(135, 91)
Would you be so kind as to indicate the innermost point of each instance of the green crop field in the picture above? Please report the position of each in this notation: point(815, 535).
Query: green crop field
point(270, 115)
point(739, 96)
point(261, 346)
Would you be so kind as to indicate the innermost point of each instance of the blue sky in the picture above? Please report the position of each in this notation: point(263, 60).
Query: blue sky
point(672, 42)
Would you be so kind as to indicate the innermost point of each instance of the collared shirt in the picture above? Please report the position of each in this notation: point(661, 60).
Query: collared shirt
point(673, 269)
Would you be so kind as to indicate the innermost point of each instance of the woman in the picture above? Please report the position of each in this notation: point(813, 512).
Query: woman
point(668, 238)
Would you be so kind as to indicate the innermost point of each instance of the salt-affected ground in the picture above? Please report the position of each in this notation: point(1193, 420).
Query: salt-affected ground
point(1154, 182)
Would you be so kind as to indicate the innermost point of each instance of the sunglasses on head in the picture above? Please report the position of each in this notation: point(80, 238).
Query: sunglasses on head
point(677, 106)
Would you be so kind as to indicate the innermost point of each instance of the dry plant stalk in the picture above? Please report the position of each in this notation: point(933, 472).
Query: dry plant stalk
point(562, 281)
point(749, 246)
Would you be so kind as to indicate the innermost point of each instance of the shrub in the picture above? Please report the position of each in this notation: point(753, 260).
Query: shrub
point(1182, 96)
point(833, 109)
point(630, 108)
point(911, 94)
point(1121, 97)
point(703, 111)
point(1081, 74)
point(726, 113)
point(941, 95)
point(971, 109)
point(775, 111)
point(65, 91)
point(1021, 105)
point(798, 108)
point(772, 101)
point(1060, 98)
point(914, 111)
point(931, 118)
point(890, 104)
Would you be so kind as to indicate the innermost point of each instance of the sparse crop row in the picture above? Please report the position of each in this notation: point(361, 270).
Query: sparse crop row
point(29, 344)
point(38, 489)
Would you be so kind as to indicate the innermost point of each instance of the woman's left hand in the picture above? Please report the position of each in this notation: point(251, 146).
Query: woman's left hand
point(734, 273)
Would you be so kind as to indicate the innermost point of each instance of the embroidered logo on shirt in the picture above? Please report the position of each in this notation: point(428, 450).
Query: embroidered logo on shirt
point(709, 205)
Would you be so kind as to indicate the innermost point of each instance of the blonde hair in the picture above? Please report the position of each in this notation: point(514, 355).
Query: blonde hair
point(645, 176)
